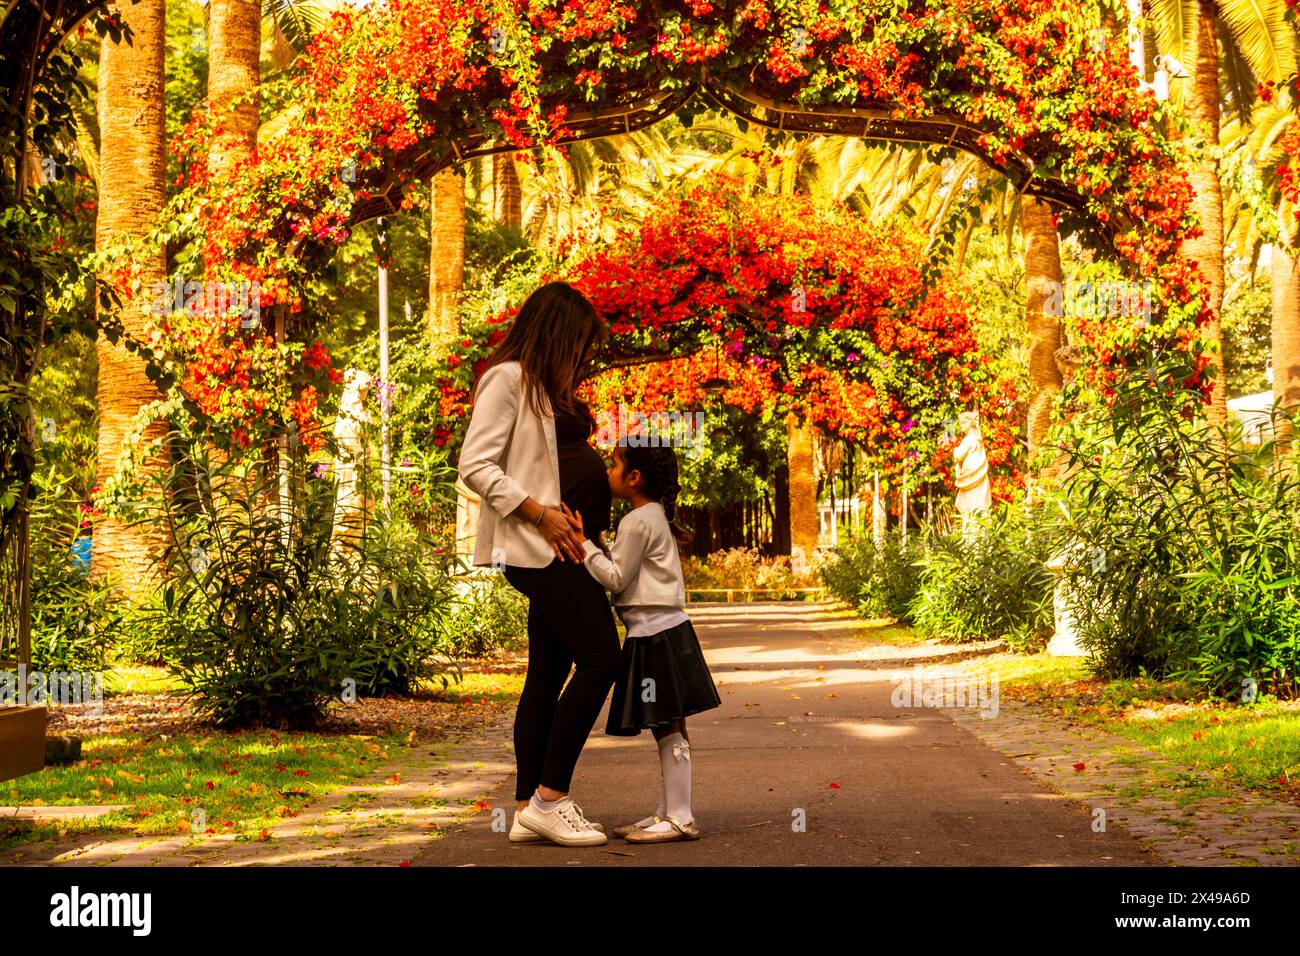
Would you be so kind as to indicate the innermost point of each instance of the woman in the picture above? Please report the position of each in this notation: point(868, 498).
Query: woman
point(525, 453)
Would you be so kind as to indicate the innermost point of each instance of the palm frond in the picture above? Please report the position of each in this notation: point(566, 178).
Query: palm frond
point(86, 125)
point(296, 20)
point(1262, 34)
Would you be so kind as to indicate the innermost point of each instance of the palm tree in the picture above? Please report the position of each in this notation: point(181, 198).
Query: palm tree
point(567, 193)
point(446, 254)
point(1285, 287)
point(1257, 45)
point(1263, 226)
point(291, 23)
point(1042, 276)
point(132, 193)
point(234, 73)
point(1257, 219)
point(507, 200)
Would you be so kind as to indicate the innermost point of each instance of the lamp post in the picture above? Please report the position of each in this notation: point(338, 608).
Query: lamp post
point(903, 516)
point(385, 390)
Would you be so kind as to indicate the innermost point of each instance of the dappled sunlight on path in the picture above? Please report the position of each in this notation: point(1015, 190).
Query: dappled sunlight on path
point(808, 762)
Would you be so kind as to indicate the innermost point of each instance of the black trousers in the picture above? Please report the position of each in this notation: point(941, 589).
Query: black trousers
point(570, 626)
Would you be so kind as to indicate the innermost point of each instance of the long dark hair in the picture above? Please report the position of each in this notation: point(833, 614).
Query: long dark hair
point(554, 338)
point(658, 467)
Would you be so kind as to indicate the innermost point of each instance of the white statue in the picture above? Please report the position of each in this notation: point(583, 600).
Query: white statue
point(348, 435)
point(974, 493)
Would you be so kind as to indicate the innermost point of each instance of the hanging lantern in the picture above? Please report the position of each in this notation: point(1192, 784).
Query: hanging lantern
point(1160, 85)
point(715, 385)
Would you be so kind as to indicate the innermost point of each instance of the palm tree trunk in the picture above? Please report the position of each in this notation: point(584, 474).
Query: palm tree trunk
point(446, 254)
point(803, 487)
point(507, 197)
point(1285, 338)
point(1043, 278)
point(234, 54)
point(1207, 250)
point(132, 193)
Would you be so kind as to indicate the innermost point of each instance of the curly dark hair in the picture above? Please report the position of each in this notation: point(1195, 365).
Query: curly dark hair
point(658, 467)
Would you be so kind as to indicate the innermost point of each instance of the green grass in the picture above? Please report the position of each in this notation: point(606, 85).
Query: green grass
point(1039, 670)
point(885, 630)
point(141, 679)
point(1211, 742)
point(240, 783)
point(1219, 741)
point(502, 688)
point(1256, 746)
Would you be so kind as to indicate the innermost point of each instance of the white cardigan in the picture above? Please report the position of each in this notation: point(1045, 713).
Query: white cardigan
point(643, 566)
point(509, 454)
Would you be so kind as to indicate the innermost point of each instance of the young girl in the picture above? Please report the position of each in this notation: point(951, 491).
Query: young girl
point(662, 677)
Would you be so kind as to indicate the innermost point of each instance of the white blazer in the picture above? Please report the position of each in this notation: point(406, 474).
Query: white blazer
point(509, 454)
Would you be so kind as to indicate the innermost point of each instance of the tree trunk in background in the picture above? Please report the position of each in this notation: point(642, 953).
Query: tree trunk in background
point(1286, 337)
point(1207, 250)
point(132, 193)
point(1042, 277)
point(446, 253)
point(234, 55)
point(803, 487)
point(781, 509)
point(507, 197)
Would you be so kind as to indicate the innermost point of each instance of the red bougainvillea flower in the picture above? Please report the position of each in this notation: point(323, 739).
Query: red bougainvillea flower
point(383, 93)
point(816, 312)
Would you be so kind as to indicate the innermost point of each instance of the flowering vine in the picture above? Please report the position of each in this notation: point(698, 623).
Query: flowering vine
point(387, 95)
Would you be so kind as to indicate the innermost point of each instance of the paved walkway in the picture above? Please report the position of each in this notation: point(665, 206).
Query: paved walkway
point(808, 732)
point(808, 762)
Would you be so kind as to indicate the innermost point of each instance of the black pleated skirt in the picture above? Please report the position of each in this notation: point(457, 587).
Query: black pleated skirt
point(663, 677)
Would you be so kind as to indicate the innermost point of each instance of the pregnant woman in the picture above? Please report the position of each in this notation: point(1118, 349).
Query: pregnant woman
point(526, 452)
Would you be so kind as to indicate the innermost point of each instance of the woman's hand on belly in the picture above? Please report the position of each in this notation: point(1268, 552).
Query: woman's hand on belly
point(560, 535)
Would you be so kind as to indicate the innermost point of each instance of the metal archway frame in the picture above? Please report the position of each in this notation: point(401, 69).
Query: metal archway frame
point(640, 111)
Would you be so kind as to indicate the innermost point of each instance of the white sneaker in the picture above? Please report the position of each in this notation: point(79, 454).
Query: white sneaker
point(520, 833)
point(564, 825)
point(594, 826)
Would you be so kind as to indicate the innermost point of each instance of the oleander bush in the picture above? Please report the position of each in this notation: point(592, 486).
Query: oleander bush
point(268, 612)
point(488, 616)
point(879, 581)
point(1186, 547)
point(993, 585)
point(75, 618)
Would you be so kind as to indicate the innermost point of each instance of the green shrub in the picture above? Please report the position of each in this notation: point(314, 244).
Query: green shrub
point(877, 581)
point(488, 616)
point(745, 568)
point(74, 618)
point(735, 567)
point(776, 577)
point(267, 615)
point(1190, 547)
point(994, 586)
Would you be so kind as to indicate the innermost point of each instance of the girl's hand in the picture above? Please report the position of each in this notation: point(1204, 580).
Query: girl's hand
point(575, 519)
point(559, 534)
